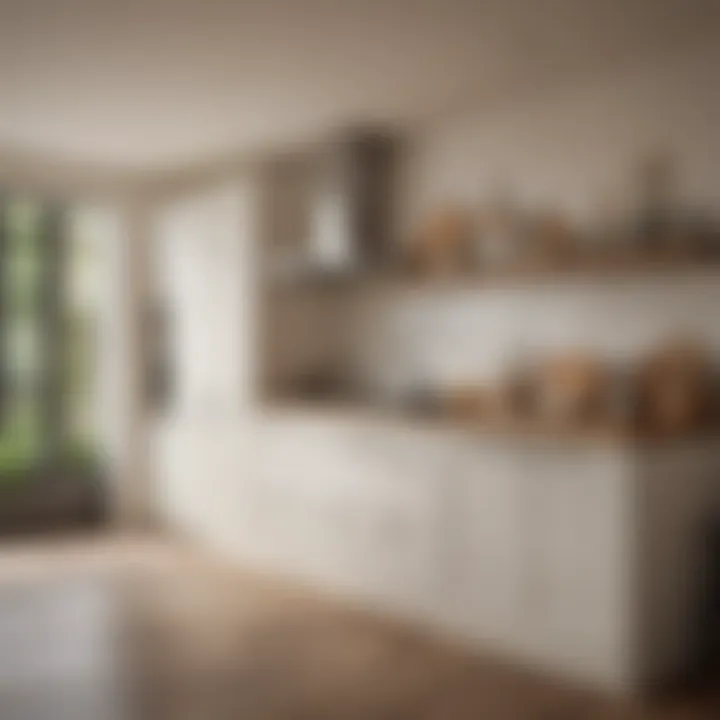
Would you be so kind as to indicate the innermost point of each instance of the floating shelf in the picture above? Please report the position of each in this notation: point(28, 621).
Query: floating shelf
point(597, 269)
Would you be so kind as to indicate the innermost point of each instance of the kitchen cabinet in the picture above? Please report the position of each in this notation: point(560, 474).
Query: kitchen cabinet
point(488, 545)
point(577, 558)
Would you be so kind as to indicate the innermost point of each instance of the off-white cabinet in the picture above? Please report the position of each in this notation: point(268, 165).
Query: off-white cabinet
point(339, 503)
point(574, 560)
point(487, 546)
point(575, 599)
point(535, 564)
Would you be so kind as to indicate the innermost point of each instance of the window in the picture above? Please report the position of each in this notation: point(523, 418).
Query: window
point(47, 314)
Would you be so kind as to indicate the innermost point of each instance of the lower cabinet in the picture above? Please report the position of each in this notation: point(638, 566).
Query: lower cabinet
point(536, 567)
point(524, 548)
point(576, 598)
point(489, 542)
point(349, 506)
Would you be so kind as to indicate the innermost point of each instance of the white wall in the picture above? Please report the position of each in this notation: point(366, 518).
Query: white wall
point(461, 335)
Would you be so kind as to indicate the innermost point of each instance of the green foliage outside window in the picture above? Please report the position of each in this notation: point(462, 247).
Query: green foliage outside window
point(22, 362)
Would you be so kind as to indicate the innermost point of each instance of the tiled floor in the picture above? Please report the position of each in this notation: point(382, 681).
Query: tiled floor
point(118, 629)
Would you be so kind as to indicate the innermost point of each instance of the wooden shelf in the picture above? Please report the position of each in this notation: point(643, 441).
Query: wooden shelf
point(591, 270)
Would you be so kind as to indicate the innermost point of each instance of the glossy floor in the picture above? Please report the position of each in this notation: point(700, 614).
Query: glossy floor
point(120, 628)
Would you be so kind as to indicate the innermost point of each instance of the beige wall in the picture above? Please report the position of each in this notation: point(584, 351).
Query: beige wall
point(572, 144)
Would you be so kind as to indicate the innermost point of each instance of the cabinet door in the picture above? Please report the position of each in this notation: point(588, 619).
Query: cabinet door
point(304, 480)
point(196, 467)
point(576, 594)
point(400, 493)
point(487, 535)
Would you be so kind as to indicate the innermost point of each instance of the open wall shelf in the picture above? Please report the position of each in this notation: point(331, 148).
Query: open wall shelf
point(597, 270)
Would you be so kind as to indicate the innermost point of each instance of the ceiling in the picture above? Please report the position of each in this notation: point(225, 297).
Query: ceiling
point(153, 84)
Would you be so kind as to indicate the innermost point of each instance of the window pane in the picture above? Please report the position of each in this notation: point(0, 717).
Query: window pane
point(21, 276)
